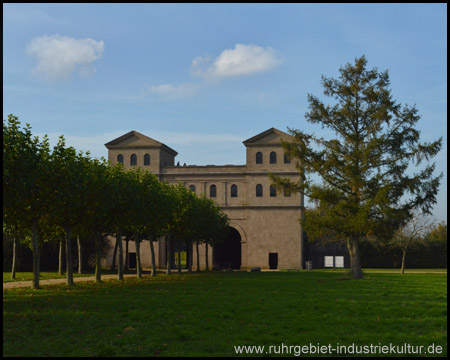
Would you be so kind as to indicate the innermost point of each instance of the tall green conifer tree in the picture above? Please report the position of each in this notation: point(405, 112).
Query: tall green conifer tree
point(366, 189)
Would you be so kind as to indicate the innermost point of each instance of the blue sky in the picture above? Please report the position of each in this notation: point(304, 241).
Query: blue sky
point(202, 78)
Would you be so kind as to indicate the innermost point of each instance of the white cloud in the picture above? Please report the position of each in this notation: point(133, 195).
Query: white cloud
point(59, 56)
point(240, 60)
point(237, 61)
point(173, 91)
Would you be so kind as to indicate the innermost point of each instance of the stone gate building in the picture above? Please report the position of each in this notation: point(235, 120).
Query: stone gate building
point(265, 228)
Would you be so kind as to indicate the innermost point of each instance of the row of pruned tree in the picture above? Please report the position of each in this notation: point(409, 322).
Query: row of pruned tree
point(48, 192)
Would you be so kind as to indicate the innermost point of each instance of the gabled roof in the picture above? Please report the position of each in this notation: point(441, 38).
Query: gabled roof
point(271, 136)
point(134, 139)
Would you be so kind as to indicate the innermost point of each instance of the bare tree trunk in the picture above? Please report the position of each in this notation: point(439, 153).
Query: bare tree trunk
point(61, 252)
point(198, 256)
point(69, 267)
point(138, 257)
point(126, 252)
point(152, 250)
point(189, 256)
point(35, 282)
point(119, 240)
point(80, 258)
point(179, 257)
point(169, 256)
point(355, 263)
point(98, 258)
point(113, 265)
point(403, 261)
point(13, 268)
point(207, 261)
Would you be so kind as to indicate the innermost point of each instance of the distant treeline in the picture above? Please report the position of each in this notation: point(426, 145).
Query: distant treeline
point(422, 256)
point(428, 252)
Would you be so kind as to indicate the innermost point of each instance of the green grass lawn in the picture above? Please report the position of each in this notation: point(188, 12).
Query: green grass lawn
point(28, 276)
point(24, 276)
point(210, 313)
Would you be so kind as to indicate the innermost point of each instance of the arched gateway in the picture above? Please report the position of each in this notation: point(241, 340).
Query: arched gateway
point(228, 254)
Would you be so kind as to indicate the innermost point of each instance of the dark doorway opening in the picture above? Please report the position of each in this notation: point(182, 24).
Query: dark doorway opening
point(227, 255)
point(132, 260)
point(273, 261)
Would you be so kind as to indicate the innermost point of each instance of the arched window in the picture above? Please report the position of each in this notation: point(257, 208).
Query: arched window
point(192, 188)
point(212, 191)
point(234, 191)
point(259, 157)
point(133, 160)
point(120, 158)
point(273, 157)
point(287, 192)
point(146, 159)
point(273, 191)
point(259, 190)
point(286, 159)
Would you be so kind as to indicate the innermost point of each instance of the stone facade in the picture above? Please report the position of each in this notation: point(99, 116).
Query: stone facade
point(267, 226)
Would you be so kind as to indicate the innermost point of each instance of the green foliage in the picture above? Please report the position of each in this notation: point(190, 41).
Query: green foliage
point(197, 218)
point(25, 173)
point(438, 234)
point(68, 172)
point(212, 223)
